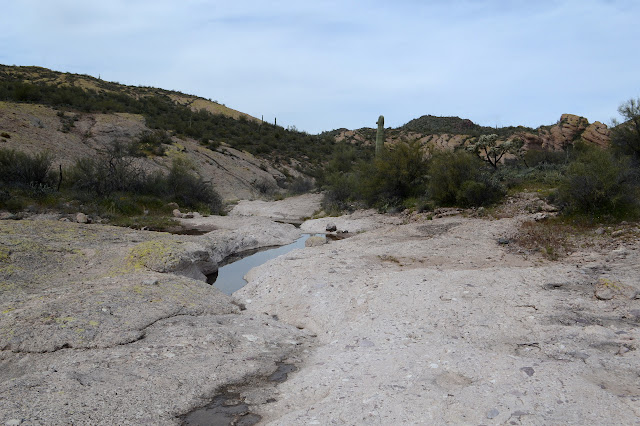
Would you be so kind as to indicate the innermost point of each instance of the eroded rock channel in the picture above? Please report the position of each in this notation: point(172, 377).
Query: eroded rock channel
point(409, 321)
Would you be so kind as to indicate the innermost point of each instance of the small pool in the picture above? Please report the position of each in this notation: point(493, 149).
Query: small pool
point(230, 277)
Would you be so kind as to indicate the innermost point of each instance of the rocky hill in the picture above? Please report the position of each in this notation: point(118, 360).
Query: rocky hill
point(452, 132)
point(75, 116)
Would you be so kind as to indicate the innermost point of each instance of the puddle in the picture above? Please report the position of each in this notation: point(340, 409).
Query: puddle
point(229, 409)
point(225, 409)
point(282, 373)
point(230, 277)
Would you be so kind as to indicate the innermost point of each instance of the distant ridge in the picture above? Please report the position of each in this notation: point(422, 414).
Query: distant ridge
point(43, 76)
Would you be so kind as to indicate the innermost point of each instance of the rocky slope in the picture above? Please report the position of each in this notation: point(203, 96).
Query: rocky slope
point(34, 128)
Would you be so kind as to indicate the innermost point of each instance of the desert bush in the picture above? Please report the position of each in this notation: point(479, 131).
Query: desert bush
point(340, 190)
point(114, 169)
point(19, 168)
point(459, 178)
point(488, 149)
point(625, 136)
point(599, 185)
point(151, 142)
point(538, 157)
point(397, 173)
point(300, 185)
point(264, 186)
point(188, 189)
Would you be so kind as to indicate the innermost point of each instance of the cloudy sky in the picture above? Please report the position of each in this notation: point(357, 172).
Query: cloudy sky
point(325, 64)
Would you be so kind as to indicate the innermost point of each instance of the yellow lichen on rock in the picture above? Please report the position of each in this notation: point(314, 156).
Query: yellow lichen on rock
point(156, 255)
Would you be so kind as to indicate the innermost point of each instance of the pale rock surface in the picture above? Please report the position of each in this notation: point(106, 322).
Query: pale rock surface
point(291, 209)
point(434, 322)
point(97, 327)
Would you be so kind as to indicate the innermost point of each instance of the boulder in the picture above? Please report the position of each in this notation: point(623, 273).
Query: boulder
point(82, 218)
point(331, 227)
point(315, 241)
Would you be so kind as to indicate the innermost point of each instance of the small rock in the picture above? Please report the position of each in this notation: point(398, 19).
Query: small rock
point(82, 218)
point(13, 422)
point(599, 231)
point(538, 217)
point(315, 241)
point(528, 370)
point(503, 241)
point(173, 206)
point(617, 233)
point(331, 227)
point(177, 213)
point(151, 281)
point(493, 413)
point(604, 293)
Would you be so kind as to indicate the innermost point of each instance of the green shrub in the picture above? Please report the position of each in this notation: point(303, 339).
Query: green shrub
point(461, 179)
point(537, 157)
point(300, 185)
point(396, 173)
point(151, 142)
point(625, 136)
point(114, 170)
point(188, 189)
point(599, 185)
point(19, 168)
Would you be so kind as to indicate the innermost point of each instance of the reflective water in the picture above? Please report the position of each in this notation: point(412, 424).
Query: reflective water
point(230, 277)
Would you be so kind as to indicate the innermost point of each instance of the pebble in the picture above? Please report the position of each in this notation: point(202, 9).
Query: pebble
point(528, 370)
point(604, 294)
point(493, 413)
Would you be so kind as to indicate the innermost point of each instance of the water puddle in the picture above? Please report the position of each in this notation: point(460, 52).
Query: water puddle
point(230, 277)
point(225, 409)
point(228, 408)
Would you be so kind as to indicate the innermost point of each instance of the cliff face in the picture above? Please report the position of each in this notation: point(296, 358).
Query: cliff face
point(569, 129)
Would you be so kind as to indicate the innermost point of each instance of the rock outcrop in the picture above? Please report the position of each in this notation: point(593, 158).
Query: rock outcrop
point(567, 130)
point(108, 320)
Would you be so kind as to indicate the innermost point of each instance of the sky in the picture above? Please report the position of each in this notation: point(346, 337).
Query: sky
point(327, 64)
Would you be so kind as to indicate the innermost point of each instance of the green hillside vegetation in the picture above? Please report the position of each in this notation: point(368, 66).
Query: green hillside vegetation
point(585, 182)
point(430, 124)
point(162, 110)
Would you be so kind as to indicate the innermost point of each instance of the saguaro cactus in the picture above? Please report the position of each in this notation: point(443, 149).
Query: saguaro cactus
point(380, 136)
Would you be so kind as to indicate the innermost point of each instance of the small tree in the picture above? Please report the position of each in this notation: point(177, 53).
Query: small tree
point(487, 148)
point(625, 137)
